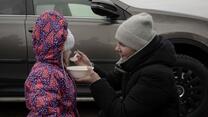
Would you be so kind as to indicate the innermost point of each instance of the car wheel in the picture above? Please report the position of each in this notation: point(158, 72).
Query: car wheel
point(191, 78)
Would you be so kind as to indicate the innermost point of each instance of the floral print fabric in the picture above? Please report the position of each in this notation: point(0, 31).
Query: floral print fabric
point(49, 89)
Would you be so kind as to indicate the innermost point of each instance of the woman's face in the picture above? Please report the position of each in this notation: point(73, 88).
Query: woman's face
point(123, 50)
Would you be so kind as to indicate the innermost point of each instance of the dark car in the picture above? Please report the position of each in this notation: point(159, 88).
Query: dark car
point(93, 24)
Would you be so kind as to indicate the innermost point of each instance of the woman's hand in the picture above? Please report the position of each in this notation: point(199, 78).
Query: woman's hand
point(90, 78)
point(81, 59)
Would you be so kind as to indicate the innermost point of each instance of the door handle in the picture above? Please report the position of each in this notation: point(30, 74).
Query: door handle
point(30, 30)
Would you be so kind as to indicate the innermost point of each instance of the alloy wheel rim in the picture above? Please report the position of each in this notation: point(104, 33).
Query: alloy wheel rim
point(190, 89)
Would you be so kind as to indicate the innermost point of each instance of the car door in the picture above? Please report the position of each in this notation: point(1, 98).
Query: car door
point(94, 35)
point(13, 52)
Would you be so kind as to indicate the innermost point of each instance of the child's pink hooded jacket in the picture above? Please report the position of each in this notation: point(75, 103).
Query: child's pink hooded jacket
point(49, 91)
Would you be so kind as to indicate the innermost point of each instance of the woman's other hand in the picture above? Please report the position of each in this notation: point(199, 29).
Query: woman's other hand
point(90, 78)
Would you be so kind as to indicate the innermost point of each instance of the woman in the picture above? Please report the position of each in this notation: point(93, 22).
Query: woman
point(143, 74)
point(49, 88)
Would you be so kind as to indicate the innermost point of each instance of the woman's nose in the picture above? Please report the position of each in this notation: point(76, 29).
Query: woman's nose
point(117, 48)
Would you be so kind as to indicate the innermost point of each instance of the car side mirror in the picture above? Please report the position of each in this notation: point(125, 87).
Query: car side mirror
point(104, 8)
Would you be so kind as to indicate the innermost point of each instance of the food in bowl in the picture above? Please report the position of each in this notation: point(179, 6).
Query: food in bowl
point(79, 71)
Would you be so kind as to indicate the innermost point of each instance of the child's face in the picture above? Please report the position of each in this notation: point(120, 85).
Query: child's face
point(66, 55)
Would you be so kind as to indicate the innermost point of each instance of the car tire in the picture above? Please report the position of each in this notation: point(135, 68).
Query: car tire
point(191, 78)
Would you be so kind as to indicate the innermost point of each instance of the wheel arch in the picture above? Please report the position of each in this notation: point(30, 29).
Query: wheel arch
point(190, 44)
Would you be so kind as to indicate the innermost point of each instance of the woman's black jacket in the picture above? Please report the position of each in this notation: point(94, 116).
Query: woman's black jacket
point(145, 82)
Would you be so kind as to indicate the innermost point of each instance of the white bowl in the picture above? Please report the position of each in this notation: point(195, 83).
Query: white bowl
point(79, 71)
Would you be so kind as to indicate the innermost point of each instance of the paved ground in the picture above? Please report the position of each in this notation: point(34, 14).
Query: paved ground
point(86, 109)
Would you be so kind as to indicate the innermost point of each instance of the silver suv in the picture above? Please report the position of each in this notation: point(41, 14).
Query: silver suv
point(94, 23)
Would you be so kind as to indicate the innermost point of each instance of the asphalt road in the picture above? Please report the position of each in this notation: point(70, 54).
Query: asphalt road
point(18, 109)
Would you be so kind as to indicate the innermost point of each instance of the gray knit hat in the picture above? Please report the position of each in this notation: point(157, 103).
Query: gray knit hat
point(136, 32)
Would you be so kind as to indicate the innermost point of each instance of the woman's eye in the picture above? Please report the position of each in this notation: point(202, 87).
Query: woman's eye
point(121, 44)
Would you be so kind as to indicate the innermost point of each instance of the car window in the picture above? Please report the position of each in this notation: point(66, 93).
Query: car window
point(12, 7)
point(75, 8)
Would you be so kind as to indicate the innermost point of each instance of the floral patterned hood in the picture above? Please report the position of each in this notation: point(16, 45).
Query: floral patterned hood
point(49, 35)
